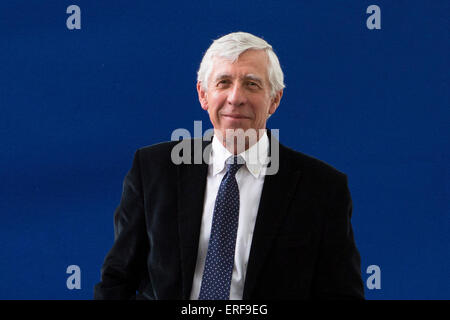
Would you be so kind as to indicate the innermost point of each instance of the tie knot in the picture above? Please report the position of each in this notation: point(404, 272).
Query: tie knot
point(234, 163)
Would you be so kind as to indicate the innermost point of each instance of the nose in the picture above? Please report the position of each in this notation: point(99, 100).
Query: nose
point(236, 96)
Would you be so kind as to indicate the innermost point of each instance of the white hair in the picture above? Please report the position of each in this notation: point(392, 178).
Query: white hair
point(230, 47)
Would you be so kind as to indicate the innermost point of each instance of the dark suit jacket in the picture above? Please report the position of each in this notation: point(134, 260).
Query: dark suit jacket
point(302, 247)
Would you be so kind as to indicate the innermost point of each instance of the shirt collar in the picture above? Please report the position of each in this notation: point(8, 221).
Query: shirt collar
point(256, 157)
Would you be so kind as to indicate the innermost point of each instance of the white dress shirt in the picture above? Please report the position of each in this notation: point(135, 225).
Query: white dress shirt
point(250, 179)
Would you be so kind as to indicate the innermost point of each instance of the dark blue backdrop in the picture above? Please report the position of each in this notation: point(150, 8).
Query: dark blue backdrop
point(76, 104)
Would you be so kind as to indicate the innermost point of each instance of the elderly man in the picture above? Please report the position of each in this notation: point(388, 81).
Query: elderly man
point(227, 228)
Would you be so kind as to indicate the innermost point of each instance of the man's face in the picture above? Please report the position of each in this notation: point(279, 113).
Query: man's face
point(238, 94)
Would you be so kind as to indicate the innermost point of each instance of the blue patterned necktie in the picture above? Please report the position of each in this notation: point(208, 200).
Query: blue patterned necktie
point(219, 263)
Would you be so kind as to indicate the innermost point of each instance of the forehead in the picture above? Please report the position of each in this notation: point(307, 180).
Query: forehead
point(254, 62)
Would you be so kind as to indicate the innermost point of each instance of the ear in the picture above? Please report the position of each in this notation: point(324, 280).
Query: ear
point(202, 96)
point(275, 102)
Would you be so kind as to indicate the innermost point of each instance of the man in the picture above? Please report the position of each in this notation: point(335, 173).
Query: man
point(229, 228)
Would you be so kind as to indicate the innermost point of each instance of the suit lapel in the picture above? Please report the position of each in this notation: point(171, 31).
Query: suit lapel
point(276, 196)
point(191, 191)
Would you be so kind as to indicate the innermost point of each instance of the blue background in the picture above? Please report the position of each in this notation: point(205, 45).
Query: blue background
point(76, 104)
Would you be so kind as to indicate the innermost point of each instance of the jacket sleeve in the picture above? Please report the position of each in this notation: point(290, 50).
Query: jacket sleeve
point(338, 273)
point(125, 264)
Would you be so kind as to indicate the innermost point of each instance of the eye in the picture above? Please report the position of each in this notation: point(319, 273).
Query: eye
point(223, 83)
point(253, 84)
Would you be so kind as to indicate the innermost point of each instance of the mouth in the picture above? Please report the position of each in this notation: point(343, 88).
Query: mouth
point(235, 116)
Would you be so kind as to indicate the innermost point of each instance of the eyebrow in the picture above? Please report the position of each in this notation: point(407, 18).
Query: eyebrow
point(253, 78)
point(249, 76)
point(222, 76)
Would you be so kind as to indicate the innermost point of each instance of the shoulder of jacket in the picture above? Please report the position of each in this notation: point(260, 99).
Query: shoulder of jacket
point(162, 152)
point(311, 165)
point(157, 148)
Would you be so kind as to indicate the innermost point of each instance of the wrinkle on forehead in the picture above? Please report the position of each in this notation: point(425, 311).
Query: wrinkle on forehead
point(255, 63)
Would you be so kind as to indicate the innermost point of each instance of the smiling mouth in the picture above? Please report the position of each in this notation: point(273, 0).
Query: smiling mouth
point(235, 116)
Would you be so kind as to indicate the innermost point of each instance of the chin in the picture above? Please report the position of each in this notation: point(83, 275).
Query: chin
point(231, 123)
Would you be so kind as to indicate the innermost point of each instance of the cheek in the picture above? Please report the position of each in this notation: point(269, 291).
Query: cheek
point(216, 101)
point(262, 109)
point(212, 107)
